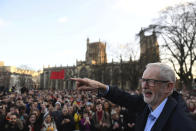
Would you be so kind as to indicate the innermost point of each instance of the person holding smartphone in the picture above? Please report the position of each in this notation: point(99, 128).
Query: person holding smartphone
point(86, 123)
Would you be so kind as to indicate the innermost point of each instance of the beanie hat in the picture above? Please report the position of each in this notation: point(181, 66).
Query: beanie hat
point(58, 103)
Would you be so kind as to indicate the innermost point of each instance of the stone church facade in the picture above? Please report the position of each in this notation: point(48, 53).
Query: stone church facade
point(124, 74)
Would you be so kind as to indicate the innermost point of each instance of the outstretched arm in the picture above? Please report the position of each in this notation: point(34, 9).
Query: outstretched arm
point(88, 84)
point(113, 94)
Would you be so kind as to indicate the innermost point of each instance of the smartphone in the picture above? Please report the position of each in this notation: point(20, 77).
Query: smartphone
point(87, 118)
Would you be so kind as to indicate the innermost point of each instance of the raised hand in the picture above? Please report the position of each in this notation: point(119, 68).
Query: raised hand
point(88, 84)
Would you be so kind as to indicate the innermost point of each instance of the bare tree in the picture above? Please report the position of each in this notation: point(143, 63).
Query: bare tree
point(25, 80)
point(25, 67)
point(177, 28)
point(127, 55)
point(125, 51)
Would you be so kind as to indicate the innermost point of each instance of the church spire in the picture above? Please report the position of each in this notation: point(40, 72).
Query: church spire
point(87, 40)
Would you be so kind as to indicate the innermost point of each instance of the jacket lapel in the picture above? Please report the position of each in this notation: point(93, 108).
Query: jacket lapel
point(141, 120)
point(165, 114)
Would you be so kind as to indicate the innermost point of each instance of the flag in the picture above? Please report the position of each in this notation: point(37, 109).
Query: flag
point(57, 74)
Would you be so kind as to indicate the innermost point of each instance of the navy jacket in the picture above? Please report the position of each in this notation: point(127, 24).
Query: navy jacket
point(174, 116)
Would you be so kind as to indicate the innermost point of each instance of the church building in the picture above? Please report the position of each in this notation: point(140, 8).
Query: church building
point(124, 74)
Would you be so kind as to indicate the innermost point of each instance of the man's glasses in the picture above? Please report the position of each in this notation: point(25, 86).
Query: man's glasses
point(151, 82)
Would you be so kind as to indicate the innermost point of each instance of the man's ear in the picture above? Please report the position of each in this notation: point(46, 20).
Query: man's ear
point(170, 86)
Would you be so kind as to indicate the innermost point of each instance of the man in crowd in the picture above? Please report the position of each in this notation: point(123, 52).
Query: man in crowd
point(101, 119)
point(14, 123)
point(158, 109)
point(65, 121)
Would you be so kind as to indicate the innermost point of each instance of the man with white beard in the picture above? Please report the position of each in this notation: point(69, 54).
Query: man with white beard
point(159, 108)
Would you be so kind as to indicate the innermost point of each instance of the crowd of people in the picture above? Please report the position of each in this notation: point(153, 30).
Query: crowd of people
point(191, 103)
point(67, 110)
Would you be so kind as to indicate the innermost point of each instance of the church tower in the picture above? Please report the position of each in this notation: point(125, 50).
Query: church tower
point(96, 52)
point(149, 48)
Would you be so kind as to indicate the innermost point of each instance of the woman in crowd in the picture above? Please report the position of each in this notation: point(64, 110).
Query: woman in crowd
point(34, 122)
point(48, 123)
point(86, 123)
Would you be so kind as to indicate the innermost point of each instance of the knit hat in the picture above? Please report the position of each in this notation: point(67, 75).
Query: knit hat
point(45, 115)
point(58, 103)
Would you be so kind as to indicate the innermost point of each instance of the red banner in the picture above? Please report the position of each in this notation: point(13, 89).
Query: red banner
point(57, 74)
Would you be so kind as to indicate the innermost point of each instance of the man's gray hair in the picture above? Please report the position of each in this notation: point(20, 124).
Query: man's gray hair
point(166, 73)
